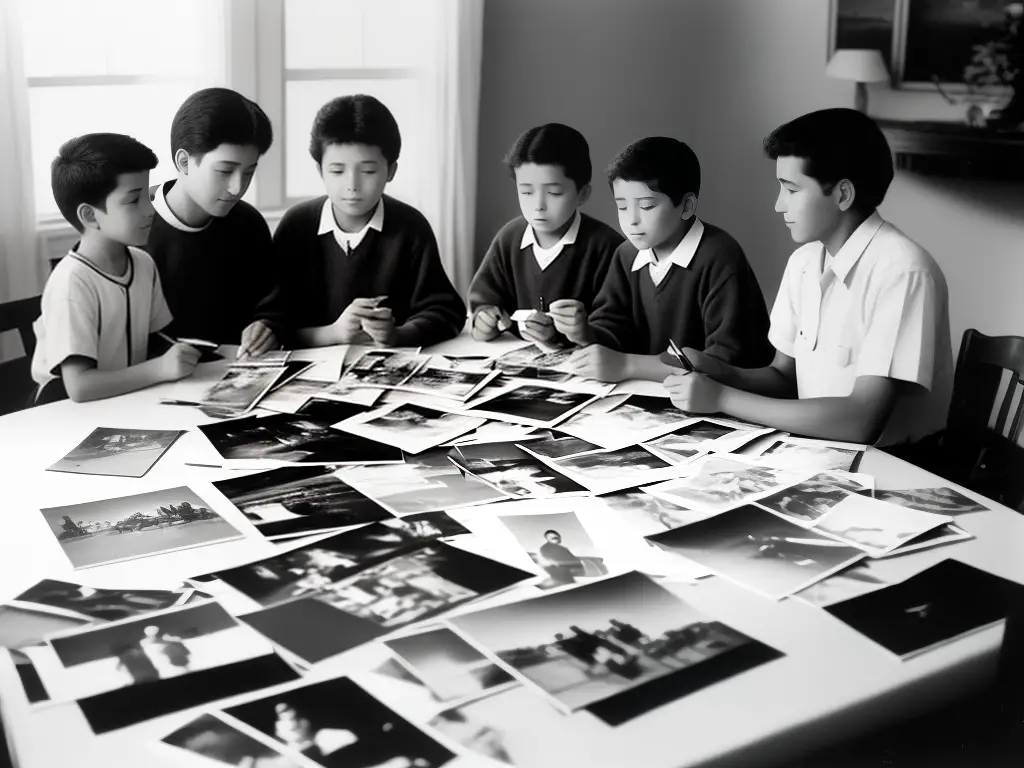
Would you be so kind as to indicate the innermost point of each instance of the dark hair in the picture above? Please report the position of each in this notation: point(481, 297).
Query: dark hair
point(215, 116)
point(837, 144)
point(358, 119)
point(552, 530)
point(664, 164)
point(86, 168)
point(553, 144)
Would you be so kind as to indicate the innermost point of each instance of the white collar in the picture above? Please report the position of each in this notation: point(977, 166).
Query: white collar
point(855, 245)
point(163, 210)
point(681, 256)
point(567, 239)
point(329, 225)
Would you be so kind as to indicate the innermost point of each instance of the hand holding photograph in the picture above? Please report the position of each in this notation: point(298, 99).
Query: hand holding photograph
point(119, 452)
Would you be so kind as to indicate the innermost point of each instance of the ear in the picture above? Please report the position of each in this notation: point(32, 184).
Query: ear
point(392, 170)
point(181, 161)
point(87, 216)
point(844, 193)
point(583, 195)
point(689, 206)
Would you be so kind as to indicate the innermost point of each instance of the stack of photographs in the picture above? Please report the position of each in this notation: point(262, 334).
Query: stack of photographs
point(603, 472)
point(412, 428)
point(117, 451)
point(703, 436)
point(638, 419)
point(534, 405)
point(507, 468)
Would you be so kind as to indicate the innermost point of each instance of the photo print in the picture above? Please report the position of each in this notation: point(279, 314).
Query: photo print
point(458, 385)
point(290, 396)
point(531, 404)
point(22, 627)
point(638, 419)
point(941, 500)
point(558, 544)
point(814, 455)
point(720, 484)
point(805, 502)
point(583, 645)
point(410, 427)
point(210, 736)
point(647, 513)
point(382, 368)
point(119, 452)
point(513, 472)
point(609, 471)
point(563, 447)
point(337, 724)
point(429, 525)
point(532, 362)
point(877, 527)
point(241, 387)
point(123, 528)
point(293, 501)
point(329, 411)
point(78, 601)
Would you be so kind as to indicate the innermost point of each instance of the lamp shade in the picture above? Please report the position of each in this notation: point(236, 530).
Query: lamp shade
point(861, 64)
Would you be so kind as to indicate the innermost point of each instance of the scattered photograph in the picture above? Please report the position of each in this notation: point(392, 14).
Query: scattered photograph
point(720, 484)
point(643, 508)
point(513, 472)
point(461, 362)
point(329, 411)
point(382, 368)
point(608, 471)
point(638, 419)
point(290, 396)
point(938, 605)
point(532, 362)
point(877, 527)
point(455, 384)
point(449, 666)
point(94, 604)
point(293, 501)
point(120, 452)
point(430, 525)
point(943, 534)
point(702, 431)
point(211, 737)
point(811, 455)
point(337, 724)
point(111, 530)
point(559, 447)
point(241, 387)
point(942, 500)
point(558, 544)
point(582, 645)
point(410, 427)
point(805, 502)
point(862, 577)
point(759, 550)
point(533, 405)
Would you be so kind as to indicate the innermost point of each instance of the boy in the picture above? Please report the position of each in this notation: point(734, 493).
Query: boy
point(676, 279)
point(363, 266)
point(861, 321)
point(214, 251)
point(551, 252)
point(103, 300)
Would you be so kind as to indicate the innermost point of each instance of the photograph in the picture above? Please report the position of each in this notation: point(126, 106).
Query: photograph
point(297, 439)
point(461, 362)
point(211, 737)
point(862, 577)
point(20, 626)
point(532, 362)
point(583, 645)
point(720, 484)
point(241, 387)
point(938, 605)
point(702, 431)
point(759, 551)
point(95, 604)
point(410, 427)
point(533, 405)
point(382, 368)
point(864, 24)
point(513, 472)
point(877, 527)
point(943, 534)
point(337, 724)
point(811, 456)
point(290, 396)
point(563, 447)
point(119, 452)
point(609, 471)
point(459, 385)
point(330, 411)
point(292, 501)
point(639, 419)
point(942, 500)
point(805, 502)
point(450, 667)
point(559, 545)
point(429, 525)
point(641, 509)
point(126, 527)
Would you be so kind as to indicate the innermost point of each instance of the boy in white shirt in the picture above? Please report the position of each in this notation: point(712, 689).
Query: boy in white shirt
point(861, 321)
point(103, 300)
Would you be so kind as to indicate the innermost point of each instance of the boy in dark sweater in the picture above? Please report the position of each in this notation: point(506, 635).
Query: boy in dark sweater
point(363, 267)
point(214, 251)
point(551, 252)
point(675, 279)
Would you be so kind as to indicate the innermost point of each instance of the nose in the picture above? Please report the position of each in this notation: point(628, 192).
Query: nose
point(634, 216)
point(146, 206)
point(354, 182)
point(541, 203)
point(780, 207)
point(235, 184)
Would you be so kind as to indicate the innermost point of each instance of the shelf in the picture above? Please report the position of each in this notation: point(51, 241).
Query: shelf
point(955, 149)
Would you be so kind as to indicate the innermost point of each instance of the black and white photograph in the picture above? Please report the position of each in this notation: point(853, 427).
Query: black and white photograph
point(119, 452)
point(382, 368)
point(531, 404)
point(639, 419)
point(934, 537)
point(702, 431)
point(532, 362)
point(609, 471)
point(293, 501)
point(429, 525)
point(810, 455)
point(513, 472)
point(877, 527)
point(582, 645)
point(941, 500)
point(294, 439)
point(559, 544)
point(642, 509)
point(410, 427)
point(450, 667)
point(759, 550)
point(329, 411)
point(79, 601)
point(337, 724)
point(454, 384)
point(210, 736)
point(293, 394)
point(109, 530)
point(558, 447)
point(862, 577)
point(241, 387)
point(938, 605)
point(805, 502)
point(720, 484)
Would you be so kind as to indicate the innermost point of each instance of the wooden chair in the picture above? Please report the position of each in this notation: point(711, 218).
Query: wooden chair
point(16, 385)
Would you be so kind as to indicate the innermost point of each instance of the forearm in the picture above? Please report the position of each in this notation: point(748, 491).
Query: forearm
point(318, 336)
point(768, 381)
point(94, 384)
point(648, 368)
point(833, 418)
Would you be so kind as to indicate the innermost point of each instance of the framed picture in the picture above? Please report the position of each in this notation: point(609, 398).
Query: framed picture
point(865, 24)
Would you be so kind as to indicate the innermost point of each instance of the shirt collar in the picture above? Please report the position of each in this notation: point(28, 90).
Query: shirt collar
point(163, 210)
point(328, 224)
point(567, 239)
point(855, 244)
point(683, 253)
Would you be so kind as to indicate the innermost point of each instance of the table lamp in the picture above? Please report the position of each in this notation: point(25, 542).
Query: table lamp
point(861, 65)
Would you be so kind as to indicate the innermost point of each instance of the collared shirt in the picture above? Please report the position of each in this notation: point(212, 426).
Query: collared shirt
point(163, 210)
point(349, 241)
point(681, 256)
point(545, 256)
point(880, 308)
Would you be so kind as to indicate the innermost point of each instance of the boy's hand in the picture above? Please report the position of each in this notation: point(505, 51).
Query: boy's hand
point(694, 392)
point(179, 361)
point(379, 325)
point(706, 364)
point(489, 322)
point(257, 338)
point(350, 322)
point(539, 328)
point(570, 319)
point(601, 363)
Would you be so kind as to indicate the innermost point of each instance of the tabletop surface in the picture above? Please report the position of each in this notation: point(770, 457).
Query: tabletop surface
point(831, 683)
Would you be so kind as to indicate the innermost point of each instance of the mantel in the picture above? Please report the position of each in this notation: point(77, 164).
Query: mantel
point(955, 149)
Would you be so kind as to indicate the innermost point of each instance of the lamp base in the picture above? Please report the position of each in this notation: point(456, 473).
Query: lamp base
point(860, 99)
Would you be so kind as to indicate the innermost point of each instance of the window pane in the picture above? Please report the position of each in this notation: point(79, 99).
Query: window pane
point(304, 98)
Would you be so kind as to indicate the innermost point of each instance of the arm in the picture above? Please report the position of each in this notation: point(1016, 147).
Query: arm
point(270, 301)
point(734, 316)
point(84, 382)
point(610, 323)
point(436, 311)
point(776, 380)
point(492, 284)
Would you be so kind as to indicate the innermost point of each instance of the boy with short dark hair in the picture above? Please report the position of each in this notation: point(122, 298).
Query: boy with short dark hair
point(861, 321)
point(676, 279)
point(553, 251)
point(103, 300)
point(213, 250)
point(363, 267)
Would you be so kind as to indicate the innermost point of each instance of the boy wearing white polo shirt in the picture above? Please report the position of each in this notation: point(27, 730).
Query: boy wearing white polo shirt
point(103, 300)
point(861, 321)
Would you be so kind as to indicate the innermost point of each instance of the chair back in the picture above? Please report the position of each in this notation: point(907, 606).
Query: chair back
point(980, 370)
point(19, 315)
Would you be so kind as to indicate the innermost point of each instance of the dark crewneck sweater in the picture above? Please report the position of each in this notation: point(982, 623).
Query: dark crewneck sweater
point(401, 262)
point(715, 305)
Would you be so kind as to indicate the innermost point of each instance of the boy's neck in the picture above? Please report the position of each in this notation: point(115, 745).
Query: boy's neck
point(664, 249)
point(352, 224)
point(846, 226)
point(108, 255)
point(550, 239)
point(184, 208)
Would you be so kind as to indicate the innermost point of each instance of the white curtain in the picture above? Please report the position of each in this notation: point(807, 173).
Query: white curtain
point(20, 267)
point(448, 187)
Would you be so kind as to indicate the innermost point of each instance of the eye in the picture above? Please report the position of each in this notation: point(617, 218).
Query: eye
point(648, 207)
point(620, 210)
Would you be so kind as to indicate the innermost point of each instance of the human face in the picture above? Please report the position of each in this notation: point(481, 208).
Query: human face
point(554, 538)
point(129, 211)
point(548, 198)
point(647, 218)
point(218, 179)
point(354, 176)
point(810, 214)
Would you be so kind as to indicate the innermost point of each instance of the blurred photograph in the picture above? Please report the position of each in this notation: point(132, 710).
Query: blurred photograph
point(720, 484)
point(116, 451)
point(410, 427)
point(95, 604)
point(805, 502)
point(211, 737)
point(809, 456)
point(941, 500)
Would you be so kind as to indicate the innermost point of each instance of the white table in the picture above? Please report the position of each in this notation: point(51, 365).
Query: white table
point(832, 683)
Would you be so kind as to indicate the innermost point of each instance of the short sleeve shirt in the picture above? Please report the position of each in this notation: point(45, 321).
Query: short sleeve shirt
point(879, 308)
point(93, 314)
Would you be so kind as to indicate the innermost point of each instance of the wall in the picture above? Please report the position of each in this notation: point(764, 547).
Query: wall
point(721, 74)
